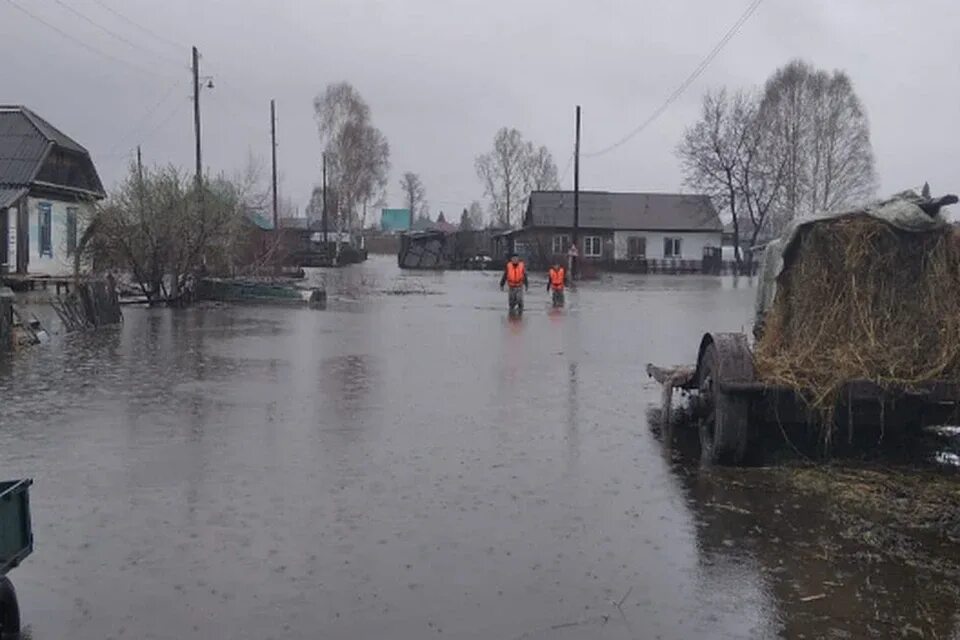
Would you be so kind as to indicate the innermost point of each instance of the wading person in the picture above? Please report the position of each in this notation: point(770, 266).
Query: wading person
point(515, 277)
point(556, 281)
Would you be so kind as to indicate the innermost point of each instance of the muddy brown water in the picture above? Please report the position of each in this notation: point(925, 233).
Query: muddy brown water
point(410, 463)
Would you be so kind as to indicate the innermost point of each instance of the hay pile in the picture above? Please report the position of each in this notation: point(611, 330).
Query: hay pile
point(860, 299)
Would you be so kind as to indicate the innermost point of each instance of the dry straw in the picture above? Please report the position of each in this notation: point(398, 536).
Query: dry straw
point(860, 299)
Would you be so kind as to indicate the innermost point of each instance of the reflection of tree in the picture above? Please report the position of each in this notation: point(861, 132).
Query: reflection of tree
point(346, 383)
point(822, 586)
point(573, 410)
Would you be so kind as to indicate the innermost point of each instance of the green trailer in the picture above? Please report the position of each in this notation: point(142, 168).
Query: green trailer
point(16, 543)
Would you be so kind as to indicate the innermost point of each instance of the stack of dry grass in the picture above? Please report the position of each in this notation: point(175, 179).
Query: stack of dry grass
point(861, 299)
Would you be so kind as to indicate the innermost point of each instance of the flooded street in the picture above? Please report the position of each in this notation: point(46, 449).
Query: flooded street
point(410, 463)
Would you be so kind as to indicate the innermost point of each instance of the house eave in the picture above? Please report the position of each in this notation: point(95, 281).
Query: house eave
point(59, 188)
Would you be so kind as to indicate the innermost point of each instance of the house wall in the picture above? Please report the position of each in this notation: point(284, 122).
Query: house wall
point(59, 264)
point(536, 245)
point(8, 256)
point(691, 243)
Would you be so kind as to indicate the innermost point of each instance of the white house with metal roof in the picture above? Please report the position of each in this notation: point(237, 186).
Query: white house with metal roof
point(617, 228)
point(48, 187)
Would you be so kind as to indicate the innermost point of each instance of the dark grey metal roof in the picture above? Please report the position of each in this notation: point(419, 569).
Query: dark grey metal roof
point(22, 148)
point(9, 195)
point(626, 211)
point(25, 139)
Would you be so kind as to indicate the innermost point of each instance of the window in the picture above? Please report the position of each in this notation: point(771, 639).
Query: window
point(71, 230)
point(636, 248)
point(671, 248)
point(592, 247)
point(45, 224)
point(561, 242)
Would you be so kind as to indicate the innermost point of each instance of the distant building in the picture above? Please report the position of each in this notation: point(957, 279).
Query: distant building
point(442, 225)
point(619, 229)
point(394, 220)
point(48, 187)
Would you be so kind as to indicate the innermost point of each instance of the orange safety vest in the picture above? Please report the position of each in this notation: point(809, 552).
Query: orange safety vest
point(557, 278)
point(515, 274)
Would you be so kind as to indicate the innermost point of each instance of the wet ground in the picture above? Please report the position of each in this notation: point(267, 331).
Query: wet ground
point(410, 463)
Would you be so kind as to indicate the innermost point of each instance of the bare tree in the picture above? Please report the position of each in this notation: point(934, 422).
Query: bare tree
point(414, 195)
point(802, 147)
point(475, 212)
point(150, 225)
point(465, 223)
point(760, 177)
point(540, 169)
point(358, 155)
point(819, 125)
point(511, 170)
point(502, 173)
point(712, 150)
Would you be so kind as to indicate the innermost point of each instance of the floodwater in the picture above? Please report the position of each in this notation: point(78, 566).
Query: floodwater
point(410, 463)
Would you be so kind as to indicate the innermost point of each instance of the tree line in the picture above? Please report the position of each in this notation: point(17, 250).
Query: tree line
point(798, 146)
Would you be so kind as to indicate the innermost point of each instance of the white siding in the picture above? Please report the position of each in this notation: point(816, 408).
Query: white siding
point(60, 264)
point(11, 239)
point(691, 243)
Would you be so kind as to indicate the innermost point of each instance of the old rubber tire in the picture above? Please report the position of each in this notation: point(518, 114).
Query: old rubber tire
point(723, 428)
point(9, 610)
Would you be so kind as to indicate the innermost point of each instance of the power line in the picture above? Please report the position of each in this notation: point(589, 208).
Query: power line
point(698, 70)
point(155, 35)
point(566, 169)
point(79, 42)
point(161, 123)
point(114, 34)
point(148, 114)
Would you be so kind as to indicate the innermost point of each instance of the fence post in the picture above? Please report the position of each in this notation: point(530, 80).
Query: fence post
point(6, 319)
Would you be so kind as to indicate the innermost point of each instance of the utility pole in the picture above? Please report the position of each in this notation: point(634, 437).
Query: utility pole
point(196, 117)
point(140, 178)
point(273, 149)
point(324, 214)
point(576, 200)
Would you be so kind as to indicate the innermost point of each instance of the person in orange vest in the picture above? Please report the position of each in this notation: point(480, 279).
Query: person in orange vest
point(556, 281)
point(515, 277)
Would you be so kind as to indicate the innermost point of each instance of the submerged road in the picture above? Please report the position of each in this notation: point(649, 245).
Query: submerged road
point(408, 463)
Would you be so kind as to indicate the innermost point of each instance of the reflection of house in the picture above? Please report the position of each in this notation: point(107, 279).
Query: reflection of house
point(48, 185)
point(619, 229)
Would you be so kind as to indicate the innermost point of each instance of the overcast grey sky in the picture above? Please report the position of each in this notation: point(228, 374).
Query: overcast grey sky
point(441, 76)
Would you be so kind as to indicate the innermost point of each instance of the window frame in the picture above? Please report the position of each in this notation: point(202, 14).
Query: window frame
point(564, 239)
point(675, 245)
point(73, 215)
point(637, 240)
point(587, 242)
point(45, 229)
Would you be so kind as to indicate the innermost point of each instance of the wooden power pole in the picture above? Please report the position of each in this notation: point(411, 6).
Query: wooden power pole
point(273, 151)
point(324, 214)
point(576, 199)
point(196, 115)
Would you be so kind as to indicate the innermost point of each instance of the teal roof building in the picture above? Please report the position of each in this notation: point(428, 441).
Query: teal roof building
point(394, 220)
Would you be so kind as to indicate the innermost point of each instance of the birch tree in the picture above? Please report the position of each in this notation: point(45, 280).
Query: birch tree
point(358, 154)
point(816, 121)
point(510, 171)
point(712, 150)
point(414, 196)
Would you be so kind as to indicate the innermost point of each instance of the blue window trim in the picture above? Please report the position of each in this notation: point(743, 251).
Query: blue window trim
point(73, 213)
point(45, 214)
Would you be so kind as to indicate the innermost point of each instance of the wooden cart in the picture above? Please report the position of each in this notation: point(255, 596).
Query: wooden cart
point(731, 406)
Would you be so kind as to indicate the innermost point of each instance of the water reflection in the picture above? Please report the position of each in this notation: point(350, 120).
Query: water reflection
point(765, 542)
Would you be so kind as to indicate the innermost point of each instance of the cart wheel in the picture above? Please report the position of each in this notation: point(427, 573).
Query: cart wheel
point(9, 610)
point(723, 429)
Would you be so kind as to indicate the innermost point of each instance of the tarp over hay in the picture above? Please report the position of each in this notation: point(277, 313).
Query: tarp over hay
point(870, 294)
